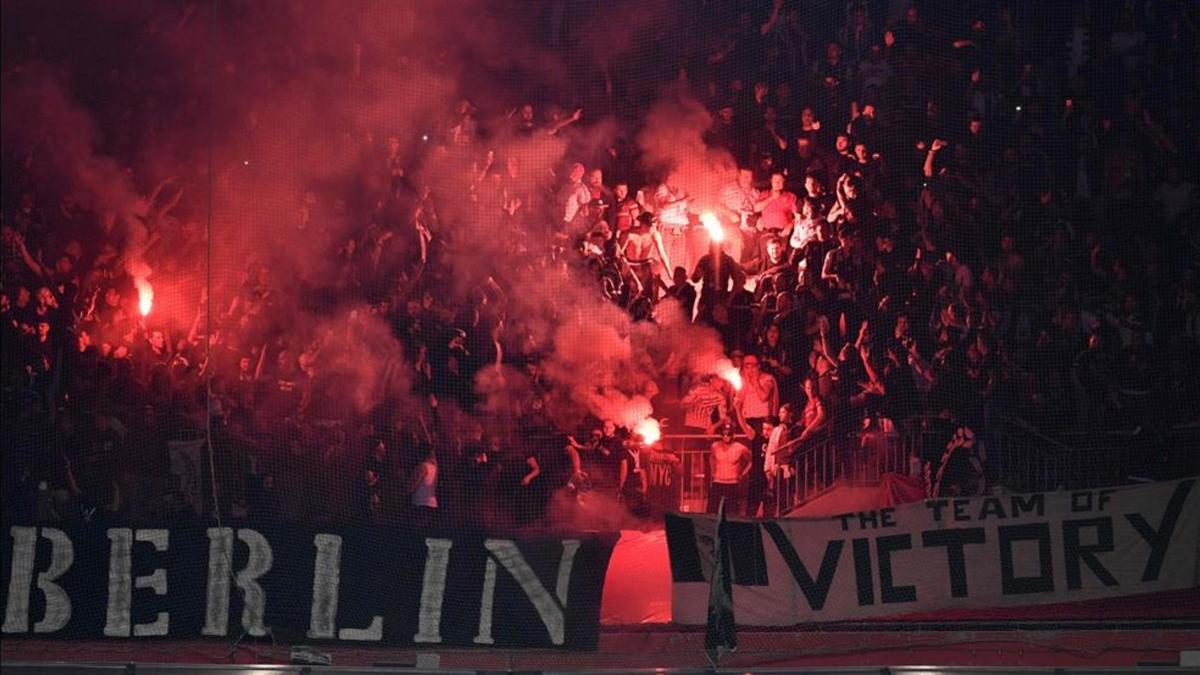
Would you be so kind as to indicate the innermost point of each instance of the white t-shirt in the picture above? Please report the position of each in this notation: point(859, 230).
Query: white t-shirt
point(577, 196)
point(751, 401)
point(671, 215)
point(736, 199)
point(773, 444)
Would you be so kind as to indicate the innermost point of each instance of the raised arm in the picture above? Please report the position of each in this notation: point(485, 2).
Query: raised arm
point(573, 456)
point(91, 308)
point(937, 145)
point(262, 360)
point(816, 425)
point(774, 397)
point(661, 248)
point(874, 383)
point(827, 272)
point(168, 205)
point(535, 470)
point(35, 266)
point(162, 184)
point(562, 124)
point(773, 20)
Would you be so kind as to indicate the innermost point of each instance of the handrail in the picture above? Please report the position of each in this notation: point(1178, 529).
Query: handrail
point(791, 443)
point(1020, 457)
point(821, 463)
point(788, 445)
point(1024, 425)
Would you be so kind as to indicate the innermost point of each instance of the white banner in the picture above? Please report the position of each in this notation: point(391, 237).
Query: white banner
point(977, 553)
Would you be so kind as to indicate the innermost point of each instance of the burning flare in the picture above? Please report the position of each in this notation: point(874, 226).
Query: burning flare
point(145, 295)
point(649, 430)
point(732, 376)
point(712, 226)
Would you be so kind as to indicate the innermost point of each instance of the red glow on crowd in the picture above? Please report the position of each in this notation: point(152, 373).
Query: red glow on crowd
point(424, 273)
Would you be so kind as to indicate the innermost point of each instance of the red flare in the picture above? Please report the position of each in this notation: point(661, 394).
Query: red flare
point(649, 430)
point(145, 296)
point(732, 376)
point(712, 226)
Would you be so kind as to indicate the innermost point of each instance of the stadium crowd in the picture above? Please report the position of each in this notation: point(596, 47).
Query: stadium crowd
point(967, 215)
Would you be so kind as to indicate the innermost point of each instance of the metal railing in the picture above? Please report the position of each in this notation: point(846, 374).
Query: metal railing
point(1024, 460)
point(692, 451)
point(819, 464)
point(1027, 459)
point(816, 466)
point(1019, 457)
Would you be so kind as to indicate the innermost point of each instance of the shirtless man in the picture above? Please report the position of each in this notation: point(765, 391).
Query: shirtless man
point(757, 400)
point(728, 464)
point(645, 254)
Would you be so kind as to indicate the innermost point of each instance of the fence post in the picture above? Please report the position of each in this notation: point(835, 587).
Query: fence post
point(805, 492)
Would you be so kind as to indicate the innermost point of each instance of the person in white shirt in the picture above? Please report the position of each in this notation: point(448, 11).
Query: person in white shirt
point(424, 488)
point(575, 198)
point(776, 433)
point(758, 398)
point(738, 199)
point(671, 203)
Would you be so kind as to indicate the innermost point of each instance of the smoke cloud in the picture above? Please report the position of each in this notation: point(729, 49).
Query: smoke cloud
point(289, 105)
point(41, 118)
point(672, 143)
point(592, 511)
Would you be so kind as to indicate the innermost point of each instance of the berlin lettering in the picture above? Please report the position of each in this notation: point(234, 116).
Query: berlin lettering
point(149, 584)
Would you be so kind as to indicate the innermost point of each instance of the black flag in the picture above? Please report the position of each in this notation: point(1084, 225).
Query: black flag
point(721, 633)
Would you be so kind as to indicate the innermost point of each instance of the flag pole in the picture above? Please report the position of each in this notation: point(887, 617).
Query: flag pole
point(720, 634)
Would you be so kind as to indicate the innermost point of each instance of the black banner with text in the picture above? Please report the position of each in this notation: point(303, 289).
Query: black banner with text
point(338, 584)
